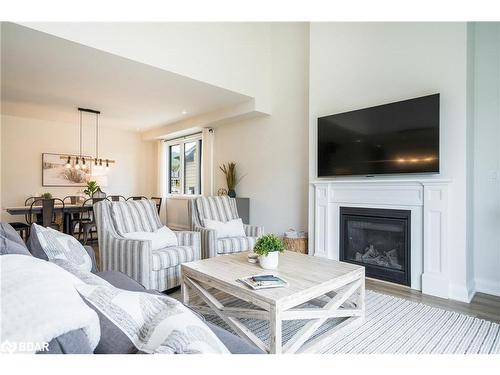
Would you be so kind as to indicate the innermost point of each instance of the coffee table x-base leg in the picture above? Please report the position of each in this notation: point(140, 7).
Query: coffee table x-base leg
point(346, 301)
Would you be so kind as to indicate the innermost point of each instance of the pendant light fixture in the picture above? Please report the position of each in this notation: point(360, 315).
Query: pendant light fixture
point(97, 161)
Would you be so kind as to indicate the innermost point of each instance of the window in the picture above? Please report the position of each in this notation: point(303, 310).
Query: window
point(184, 156)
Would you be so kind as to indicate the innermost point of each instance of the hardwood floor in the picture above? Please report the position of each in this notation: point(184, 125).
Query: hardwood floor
point(482, 306)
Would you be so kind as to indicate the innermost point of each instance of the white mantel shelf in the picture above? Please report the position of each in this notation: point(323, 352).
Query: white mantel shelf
point(426, 197)
point(364, 180)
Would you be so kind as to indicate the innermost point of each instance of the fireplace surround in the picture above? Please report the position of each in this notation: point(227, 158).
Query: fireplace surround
point(378, 239)
point(426, 198)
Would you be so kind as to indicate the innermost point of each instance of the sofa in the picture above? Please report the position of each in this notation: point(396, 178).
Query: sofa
point(154, 269)
point(220, 208)
point(112, 341)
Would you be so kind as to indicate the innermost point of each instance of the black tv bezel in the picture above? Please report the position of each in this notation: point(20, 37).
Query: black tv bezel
point(382, 173)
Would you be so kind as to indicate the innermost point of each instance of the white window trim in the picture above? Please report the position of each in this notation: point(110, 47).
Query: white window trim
point(182, 141)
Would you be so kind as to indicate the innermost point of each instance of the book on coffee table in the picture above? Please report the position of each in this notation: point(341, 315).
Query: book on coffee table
point(263, 281)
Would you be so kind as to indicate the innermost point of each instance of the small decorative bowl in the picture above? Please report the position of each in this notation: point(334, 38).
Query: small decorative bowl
point(253, 258)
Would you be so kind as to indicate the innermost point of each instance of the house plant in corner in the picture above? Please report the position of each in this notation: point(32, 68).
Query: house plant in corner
point(268, 247)
point(231, 179)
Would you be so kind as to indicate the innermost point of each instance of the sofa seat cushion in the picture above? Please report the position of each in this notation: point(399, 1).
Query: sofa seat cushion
point(120, 280)
point(172, 256)
point(235, 244)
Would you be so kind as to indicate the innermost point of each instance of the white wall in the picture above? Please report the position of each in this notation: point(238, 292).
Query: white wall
point(486, 217)
point(25, 139)
point(356, 65)
point(272, 152)
point(234, 56)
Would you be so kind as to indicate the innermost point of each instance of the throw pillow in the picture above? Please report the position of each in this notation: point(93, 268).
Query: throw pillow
point(231, 228)
point(57, 245)
point(10, 241)
point(153, 323)
point(160, 238)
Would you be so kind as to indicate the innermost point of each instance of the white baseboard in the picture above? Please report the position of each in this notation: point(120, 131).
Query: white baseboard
point(488, 287)
point(461, 293)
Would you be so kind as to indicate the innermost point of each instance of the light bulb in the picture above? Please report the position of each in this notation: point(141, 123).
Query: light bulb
point(77, 166)
point(68, 163)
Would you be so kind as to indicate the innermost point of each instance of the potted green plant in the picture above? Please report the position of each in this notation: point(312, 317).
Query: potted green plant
point(268, 247)
point(46, 196)
point(92, 187)
point(231, 179)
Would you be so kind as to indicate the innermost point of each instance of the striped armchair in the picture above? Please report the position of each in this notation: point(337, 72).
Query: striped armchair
point(221, 208)
point(154, 269)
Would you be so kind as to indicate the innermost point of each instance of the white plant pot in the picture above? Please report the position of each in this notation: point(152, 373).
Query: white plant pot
point(269, 261)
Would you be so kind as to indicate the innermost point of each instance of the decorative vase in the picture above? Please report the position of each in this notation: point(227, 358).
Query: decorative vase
point(269, 261)
point(231, 193)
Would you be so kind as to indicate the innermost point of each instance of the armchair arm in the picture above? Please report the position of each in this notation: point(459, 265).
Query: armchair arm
point(253, 230)
point(190, 238)
point(208, 242)
point(132, 257)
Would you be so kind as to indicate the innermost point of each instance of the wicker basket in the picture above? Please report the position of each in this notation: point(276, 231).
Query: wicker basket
point(298, 245)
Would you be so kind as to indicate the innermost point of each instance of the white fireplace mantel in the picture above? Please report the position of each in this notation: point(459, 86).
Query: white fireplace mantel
point(426, 198)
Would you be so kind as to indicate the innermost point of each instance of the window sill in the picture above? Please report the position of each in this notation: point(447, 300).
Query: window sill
point(183, 196)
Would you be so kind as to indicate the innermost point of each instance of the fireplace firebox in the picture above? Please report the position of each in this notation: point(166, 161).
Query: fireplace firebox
point(379, 240)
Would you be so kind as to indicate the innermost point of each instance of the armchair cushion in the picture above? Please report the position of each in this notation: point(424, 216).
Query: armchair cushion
point(161, 238)
point(230, 228)
point(135, 216)
point(172, 256)
point(230, 245)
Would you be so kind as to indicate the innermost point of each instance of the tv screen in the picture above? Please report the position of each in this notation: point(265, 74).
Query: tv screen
point(400, 137)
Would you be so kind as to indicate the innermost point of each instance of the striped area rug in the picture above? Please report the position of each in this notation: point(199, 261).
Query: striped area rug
point(395, 325)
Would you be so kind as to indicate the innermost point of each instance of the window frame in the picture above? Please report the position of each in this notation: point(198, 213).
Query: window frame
point(181, 141)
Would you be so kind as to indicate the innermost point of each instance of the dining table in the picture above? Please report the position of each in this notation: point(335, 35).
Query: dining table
point(67, 211)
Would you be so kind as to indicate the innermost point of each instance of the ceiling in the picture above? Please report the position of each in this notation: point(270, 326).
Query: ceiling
point(46, 77)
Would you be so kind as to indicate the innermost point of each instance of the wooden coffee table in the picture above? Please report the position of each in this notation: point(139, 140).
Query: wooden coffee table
point(336, 289)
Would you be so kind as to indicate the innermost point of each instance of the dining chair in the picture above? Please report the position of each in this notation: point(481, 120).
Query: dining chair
point(86, 221)
point(157, 201)
point(116, 198)
point(99, 194)
point(23, 227)
point(48, 213)
point(73, 216)
point(71, 199)
point(137, 198)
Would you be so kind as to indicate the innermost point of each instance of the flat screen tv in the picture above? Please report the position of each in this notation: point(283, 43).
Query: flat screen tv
point(400, 137)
